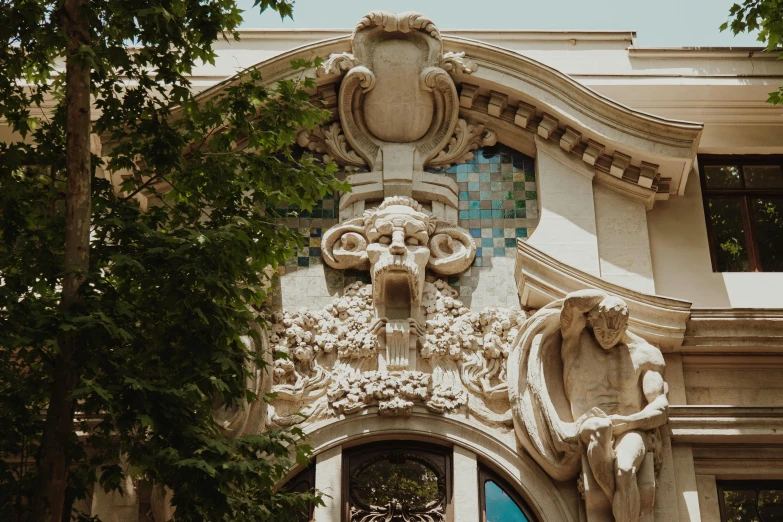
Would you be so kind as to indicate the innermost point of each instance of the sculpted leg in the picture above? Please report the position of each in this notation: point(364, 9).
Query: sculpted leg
point(596, 434)
point(630, 452)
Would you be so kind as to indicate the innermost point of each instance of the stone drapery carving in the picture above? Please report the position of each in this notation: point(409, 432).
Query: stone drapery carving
point(589, 396)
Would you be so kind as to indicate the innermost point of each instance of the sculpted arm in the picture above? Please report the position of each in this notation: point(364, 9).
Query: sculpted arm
point(575, 306)
point(654, 414)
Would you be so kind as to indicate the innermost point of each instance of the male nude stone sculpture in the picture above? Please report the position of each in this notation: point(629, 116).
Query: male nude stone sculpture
point(612, 382)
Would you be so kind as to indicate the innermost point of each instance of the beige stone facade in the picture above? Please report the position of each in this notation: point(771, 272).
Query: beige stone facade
point(522, 273)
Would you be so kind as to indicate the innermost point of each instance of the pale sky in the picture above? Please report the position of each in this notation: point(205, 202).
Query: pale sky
point(658, 23)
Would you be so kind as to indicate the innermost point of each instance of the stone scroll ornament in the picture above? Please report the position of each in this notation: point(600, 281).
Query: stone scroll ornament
point(398, 110)
point(588, 398)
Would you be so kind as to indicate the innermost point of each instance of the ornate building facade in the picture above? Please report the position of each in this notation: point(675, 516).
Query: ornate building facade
point(548, 297)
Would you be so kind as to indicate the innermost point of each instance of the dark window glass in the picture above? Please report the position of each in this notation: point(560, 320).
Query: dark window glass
point(768, 213)
point(743, 202)
point(740, 506)
point(406, 481)
point(763, 176)
point(500, 507)
point(723, 176)
point(751, 501)
point(770, 504)
point(303, 482)
point(728, 234)
point(397, 481)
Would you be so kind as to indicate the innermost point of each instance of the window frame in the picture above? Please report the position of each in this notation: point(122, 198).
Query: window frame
point(743, 194)
point(487, 474)
point(743, 485)
point(306, 476)
point(428, 450)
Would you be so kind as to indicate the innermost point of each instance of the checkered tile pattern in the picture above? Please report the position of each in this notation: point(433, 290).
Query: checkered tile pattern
point(498, 204)
point(498, 201)
point(311, 225)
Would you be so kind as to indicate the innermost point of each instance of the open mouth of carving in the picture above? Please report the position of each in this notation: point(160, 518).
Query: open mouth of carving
point(396, 283)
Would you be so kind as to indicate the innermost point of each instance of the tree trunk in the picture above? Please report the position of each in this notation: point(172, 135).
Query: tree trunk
point(53, 459)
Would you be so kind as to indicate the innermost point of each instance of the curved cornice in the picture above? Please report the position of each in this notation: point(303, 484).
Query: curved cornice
point(632, 145)
point(576, 95)
point(542, 279)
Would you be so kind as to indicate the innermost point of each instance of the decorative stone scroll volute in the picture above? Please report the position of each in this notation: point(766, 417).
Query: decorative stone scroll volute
point(398, 113)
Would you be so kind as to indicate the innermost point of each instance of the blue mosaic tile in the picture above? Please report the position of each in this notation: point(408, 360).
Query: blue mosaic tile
point(494, 188)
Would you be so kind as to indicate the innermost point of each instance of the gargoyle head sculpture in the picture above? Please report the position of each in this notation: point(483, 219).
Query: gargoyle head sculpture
point(398, 241)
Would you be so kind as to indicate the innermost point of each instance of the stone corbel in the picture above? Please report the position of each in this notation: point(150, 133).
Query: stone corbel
point(647, 174)
point(497, 102)
point(524, 115)
point(620, 162)
point(592, 152)
point(570, 139)
point(547, 126)
point(467, 95)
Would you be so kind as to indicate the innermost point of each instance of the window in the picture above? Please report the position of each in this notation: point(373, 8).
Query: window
point(743, 202)
point(751, 501)
point(499, 502)
point(397, 481)
point(303, 482)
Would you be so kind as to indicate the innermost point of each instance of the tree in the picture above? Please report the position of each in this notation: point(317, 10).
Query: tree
point(766, 17)
point(130, 319)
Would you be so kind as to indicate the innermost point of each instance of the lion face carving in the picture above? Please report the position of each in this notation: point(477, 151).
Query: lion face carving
point(398, 241)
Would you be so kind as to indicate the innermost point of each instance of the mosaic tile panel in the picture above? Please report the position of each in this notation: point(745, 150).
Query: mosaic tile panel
point(498, 204)
point(498, 200)
point(311, 225)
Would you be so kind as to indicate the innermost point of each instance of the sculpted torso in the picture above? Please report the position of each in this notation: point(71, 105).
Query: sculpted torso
point(614, 382)
point(605, 379)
